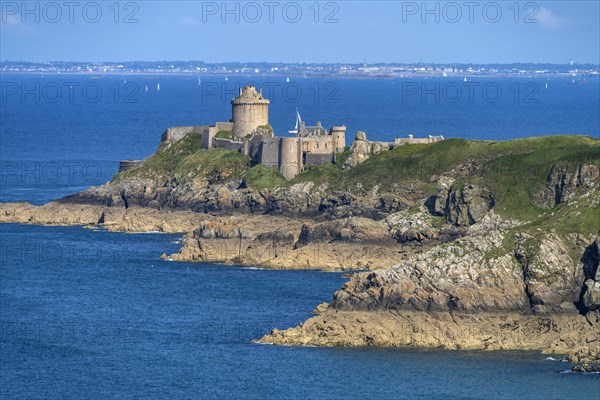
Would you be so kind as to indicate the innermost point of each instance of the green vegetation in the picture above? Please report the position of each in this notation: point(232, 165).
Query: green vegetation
point(185, 159)
point(225, 135)
point(262, 177)
point(341, 157)
point(581, 216)
point(267, 128)
point(515, 170)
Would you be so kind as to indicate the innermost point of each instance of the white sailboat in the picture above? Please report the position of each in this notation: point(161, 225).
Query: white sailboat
point(546, 85)
point(298, 123)
point(464, 80)
point(146, 88)
point(287, 79)
point(199, 81)
point(158, 87)
point(226, 78)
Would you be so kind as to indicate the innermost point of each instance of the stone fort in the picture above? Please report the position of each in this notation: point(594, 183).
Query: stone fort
point(249, 133)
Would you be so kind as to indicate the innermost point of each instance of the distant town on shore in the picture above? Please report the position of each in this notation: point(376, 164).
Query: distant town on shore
point(305, 70)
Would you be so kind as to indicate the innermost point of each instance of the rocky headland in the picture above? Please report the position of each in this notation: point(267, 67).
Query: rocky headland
point(467, 244)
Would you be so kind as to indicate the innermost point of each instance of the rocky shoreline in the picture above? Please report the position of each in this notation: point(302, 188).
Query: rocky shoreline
point(445, 298)
point(467, 256)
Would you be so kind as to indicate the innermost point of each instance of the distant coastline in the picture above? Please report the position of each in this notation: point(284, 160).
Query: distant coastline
point(294, 70)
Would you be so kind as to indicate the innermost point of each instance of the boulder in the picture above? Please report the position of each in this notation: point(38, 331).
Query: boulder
point(222, 228)
point(278, 237)
point(346, 230)
point(440, 202)
point(468, 204)
point(591, 296)
point(362, 149)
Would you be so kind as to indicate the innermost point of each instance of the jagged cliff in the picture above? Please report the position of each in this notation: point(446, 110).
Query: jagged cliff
point(471, 244)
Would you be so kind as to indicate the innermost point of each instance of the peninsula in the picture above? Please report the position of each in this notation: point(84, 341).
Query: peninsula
point(467, 244)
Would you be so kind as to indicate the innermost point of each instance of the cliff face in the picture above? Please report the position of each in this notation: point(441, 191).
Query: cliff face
point(470, 293)
point(502, 284)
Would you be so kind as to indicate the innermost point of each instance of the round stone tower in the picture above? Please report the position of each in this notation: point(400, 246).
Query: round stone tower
point(289, 157)
point(339, 137)
point(249, 110)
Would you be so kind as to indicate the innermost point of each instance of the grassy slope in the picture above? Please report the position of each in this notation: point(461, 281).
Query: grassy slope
point(185, 159)
point(513, 170)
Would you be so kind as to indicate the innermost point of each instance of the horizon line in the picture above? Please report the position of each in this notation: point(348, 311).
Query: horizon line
point(304, 62)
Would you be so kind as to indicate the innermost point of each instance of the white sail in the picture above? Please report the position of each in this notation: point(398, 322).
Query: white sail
point(298, 123)
point(158, 87)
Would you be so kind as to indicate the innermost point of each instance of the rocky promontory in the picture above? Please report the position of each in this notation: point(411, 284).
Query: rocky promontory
point(466, 244)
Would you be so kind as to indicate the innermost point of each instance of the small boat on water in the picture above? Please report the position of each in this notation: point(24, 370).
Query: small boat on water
point(146, 88)
point(158, 87)
point(287, 79)
point(298, 123)
point(199, 81)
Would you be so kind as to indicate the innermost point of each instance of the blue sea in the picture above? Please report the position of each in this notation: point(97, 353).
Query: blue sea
point(90, 314)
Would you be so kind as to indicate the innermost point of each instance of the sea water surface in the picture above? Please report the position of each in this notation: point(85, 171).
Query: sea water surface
point(90, 314)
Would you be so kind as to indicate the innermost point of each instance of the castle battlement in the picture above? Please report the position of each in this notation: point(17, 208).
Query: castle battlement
point(250, 96)
point(249, 133)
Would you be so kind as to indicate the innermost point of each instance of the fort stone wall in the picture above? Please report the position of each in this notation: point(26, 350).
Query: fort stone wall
point(290, 163)
point(126, 165)
point(254, 148)
point(228, 144)
point(178, 132)
point(318, 144)
point(224, 126)
point(208, 136)
point(319, 159)
point(411, 140)
point(270, 151)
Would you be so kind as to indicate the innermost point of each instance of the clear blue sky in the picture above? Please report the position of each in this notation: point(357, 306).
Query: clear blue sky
point(380, 31)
